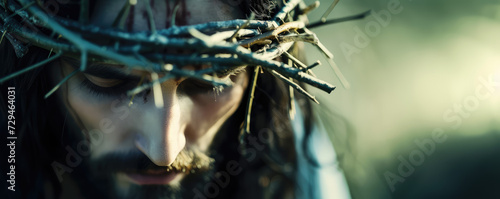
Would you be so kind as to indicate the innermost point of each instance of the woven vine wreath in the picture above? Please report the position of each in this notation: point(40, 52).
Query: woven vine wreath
point(220, 44)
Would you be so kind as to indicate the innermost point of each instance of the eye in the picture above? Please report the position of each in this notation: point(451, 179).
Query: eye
point(102, 87)
point(195, 87)
point(192, 86)
point(102, 82)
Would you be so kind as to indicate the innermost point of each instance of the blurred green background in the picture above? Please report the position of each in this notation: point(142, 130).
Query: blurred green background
point(426, 61)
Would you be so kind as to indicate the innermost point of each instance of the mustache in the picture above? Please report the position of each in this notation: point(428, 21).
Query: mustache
point(187, 161)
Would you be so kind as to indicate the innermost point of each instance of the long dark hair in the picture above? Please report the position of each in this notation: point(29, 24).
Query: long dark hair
point(39, 123)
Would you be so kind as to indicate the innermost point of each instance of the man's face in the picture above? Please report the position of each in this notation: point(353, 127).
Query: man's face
point(139, 140)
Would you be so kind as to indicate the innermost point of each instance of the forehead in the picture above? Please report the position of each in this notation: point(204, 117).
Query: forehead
point(117, 71)
point(187, 12)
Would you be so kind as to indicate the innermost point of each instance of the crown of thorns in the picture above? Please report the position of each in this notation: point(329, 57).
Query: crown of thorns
point(220, 44)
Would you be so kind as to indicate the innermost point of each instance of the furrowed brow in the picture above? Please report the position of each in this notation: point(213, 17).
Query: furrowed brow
point(105, 71)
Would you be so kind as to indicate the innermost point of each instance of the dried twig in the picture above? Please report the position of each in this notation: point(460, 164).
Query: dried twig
point(301, 65)
point(251, 92)
point(252, 16)
point(290, 5)
point(10, 76)
point(343, 19)
point(294, 85)
point(292, 110)
point(143, 87)
point(273, 34)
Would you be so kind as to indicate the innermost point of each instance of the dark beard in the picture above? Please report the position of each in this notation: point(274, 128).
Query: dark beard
point(148, 191)
point(185, 190)
point(196, 166)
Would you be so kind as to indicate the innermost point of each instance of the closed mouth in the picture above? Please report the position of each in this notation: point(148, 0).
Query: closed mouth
point(151, 177)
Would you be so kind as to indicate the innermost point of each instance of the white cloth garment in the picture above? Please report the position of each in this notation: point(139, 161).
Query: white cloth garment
point(326, 181)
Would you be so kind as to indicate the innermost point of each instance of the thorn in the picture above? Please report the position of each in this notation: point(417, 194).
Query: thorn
point(1, 39)
point(149, 10)
point(339, 74)
point(252, 16)
point(310, 7)
point(174, 14)
point(317, 63)
point(83, 61)
point(132, 98)
point(121, 18)
point(157, 92)
point(53, 90)
point(84, 11)
point(295, 60)
point(50, 52)
point(323, 18)
point(21, 9)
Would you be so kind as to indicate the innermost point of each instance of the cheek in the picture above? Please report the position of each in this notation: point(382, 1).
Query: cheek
point(94, 114)
point(88, 110)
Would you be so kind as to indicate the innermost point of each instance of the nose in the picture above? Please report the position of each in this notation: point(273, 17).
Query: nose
point(161, 134)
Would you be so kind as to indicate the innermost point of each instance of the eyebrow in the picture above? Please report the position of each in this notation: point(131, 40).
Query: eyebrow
point(101, 70)
point(107, 72)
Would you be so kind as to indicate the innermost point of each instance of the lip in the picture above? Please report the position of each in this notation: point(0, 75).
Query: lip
point(149, 179)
